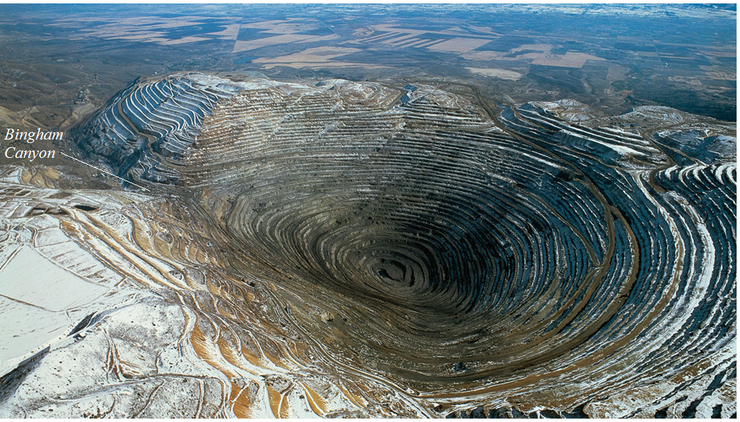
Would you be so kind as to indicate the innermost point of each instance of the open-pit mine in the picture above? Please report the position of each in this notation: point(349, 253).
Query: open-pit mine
point(359, 249)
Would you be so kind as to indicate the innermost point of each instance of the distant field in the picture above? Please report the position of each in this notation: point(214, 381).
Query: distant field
point(496, 73)
point(56, 59)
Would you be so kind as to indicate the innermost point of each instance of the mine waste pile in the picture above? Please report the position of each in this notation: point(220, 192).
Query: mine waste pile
point(360, 250)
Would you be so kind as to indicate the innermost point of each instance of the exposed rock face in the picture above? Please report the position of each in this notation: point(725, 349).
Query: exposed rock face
point(147, 125)
point(353, 249)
